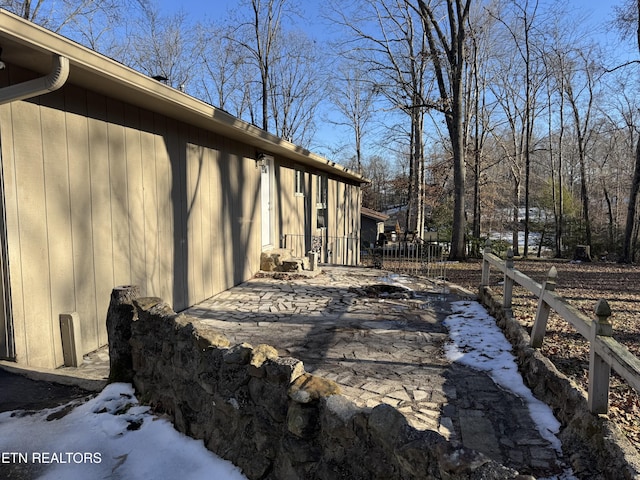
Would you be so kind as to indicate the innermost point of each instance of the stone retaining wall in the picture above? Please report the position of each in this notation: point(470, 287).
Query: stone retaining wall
point(266, 414)
point(595, 446)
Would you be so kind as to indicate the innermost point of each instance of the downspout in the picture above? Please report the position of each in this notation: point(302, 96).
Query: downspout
point(38, 86)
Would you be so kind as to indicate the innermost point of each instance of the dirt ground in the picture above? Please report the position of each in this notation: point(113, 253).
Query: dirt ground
point(582, 284)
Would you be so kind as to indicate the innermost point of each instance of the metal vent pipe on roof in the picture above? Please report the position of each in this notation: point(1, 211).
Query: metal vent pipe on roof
point(38, 86)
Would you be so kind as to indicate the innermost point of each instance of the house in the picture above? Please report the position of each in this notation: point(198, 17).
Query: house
point(111, 178)
point(372, 225)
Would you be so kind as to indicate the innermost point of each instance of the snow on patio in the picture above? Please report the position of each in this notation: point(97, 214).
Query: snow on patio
point(478, 342)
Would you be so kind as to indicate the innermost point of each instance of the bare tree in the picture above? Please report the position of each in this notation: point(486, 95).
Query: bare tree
point(353, 94)
point(56, 15)
point(258, 35)
point(295, 88)
point(580, 82)
point(564, 37)
point(518, 20)
point(628, 20)
point(98, 24)
point(166, 47)
point(622, 117)
point(446, 34)
point(554, 62)
point(387, 36)
point(220, 83)
point(479, 111)
point(377, 195)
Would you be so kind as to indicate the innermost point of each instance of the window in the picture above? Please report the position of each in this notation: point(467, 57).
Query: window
point(321, 201)
point(299, 183)
point(321, 191)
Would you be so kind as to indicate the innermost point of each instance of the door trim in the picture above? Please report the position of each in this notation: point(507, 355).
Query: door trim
point(266, 201)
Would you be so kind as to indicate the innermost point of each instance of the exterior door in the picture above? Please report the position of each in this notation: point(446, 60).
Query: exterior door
point(266, 166)
point(322, 221)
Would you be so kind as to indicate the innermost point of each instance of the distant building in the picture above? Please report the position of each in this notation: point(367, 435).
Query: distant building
point(372, 225)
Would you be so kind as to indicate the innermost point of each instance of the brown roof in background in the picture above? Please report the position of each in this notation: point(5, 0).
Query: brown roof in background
point(367, 212)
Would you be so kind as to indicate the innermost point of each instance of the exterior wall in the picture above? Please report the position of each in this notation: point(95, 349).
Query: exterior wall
point(370, 230)
point(298, 214)
point(294, 213)
point(99, 193)
point(290, 217)
point(343, 223)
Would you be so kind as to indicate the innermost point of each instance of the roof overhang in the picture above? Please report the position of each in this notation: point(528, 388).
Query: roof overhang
point(32, 47)
point(374, 215)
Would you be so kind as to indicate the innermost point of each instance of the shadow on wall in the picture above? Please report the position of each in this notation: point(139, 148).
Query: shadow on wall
point(215, 201)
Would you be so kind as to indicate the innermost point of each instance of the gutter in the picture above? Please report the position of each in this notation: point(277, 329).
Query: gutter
point(38, 86)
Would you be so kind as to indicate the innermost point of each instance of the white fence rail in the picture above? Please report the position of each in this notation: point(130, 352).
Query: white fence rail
point(605, 352)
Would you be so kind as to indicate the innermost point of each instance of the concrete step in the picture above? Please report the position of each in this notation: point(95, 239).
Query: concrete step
point(282, 260)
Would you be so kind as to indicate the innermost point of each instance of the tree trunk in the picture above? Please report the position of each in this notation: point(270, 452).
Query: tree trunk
point(476, 204)
point(628, 243)
point(628, 246)
point(449, 58)
point(560, 219)
point(528, 132)
point(419, 166)
point(584, 193)
point(458, 250)
point(413, 187)
point(516, 216)
point(265, 101)
point(476, 166)
point(607, 198)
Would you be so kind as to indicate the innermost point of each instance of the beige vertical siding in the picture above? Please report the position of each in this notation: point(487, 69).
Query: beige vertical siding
point(81, 217)
point(150, 185)
point(57, 209)
point(10, 177)
point(101, 220)
point(297, 215)
point(218, 234)
point(344, 221)
point(98, 194)
point(290, 208)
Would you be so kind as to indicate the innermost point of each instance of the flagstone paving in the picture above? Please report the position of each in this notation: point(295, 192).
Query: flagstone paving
point(384, 345)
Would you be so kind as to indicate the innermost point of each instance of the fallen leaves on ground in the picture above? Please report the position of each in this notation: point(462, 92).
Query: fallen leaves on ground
point(582, 285)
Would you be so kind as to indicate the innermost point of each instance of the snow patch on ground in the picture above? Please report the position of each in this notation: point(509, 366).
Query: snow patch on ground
point(397, 280)
point(479, 343)
point(110, 436)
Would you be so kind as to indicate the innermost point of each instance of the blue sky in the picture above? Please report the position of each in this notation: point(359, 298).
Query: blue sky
point(598, 9)
point(596, 12)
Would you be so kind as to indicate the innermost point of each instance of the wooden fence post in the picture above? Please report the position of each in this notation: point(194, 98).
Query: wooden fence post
point(599, 369)
point(485, 264)
point(542, 313)
point(508, 284)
